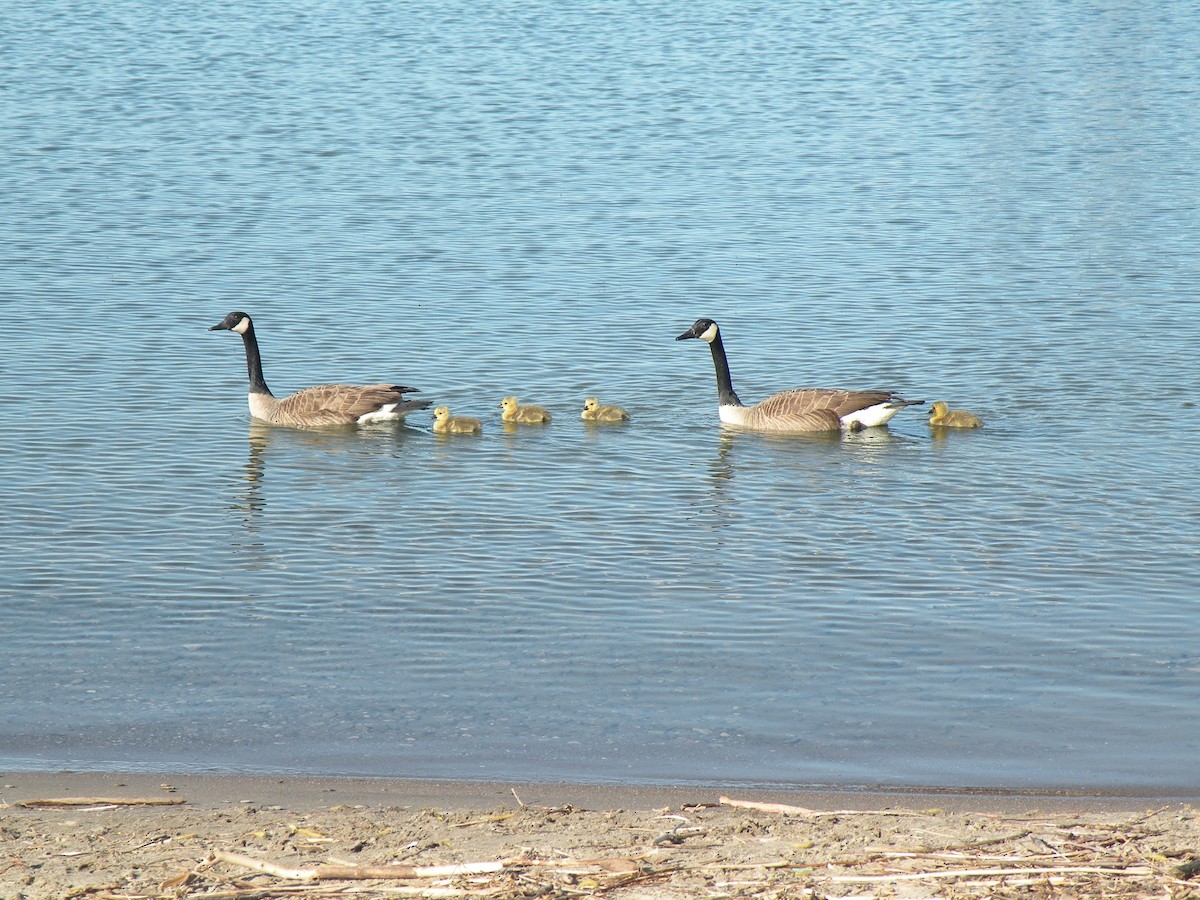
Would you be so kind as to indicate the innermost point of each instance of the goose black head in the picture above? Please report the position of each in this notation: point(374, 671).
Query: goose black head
point(704, 329)
point(235, 321)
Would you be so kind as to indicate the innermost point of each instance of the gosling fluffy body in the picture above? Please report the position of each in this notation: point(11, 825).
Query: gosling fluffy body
point(321, 406)
point(594, 411)
point(444, 423)
point(523, 415)
point(940, 415)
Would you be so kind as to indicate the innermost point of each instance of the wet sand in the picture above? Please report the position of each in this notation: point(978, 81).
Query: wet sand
point(242, 837)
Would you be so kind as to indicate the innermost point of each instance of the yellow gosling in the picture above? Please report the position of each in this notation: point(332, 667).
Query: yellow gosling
point(444, 423)
point(523, 415)
point(941, 415)
point(593, 411)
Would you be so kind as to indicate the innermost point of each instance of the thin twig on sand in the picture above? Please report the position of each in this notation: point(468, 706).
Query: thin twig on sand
point(1140, 871)
point(348, 873)
point(56, 802)
point(357, 873)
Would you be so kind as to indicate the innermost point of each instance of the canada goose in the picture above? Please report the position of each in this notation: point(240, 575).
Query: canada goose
point(940, 415)
point(524, 415)
point(444, 423)
point(320, 406)
point(594, 412)
point(810, 409)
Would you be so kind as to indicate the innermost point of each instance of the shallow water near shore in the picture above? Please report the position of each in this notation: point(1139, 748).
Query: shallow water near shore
point(956, 203)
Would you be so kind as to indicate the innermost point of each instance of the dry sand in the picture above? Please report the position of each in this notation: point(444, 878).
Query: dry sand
point(221, 837)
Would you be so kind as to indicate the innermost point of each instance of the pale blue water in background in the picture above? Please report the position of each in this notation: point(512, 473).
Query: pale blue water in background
point(992, 204)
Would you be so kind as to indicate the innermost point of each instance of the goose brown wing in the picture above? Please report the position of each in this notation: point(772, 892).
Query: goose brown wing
point(846, 402)
point(841, 403)
point(813, 420)
point(342, 404)
point(805, 410)
point(811, 409)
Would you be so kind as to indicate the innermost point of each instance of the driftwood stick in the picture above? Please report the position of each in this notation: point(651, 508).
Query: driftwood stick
point(423, 892)
point(238, 894)
point(53, 802)
point(787, 810)
point(356, 873)
point(769, 807)
point(995, 873)
point(427, 893)
point(261, 865)
point(614, 864)
point(741, 867)
point(352, 873)
point(485, 820)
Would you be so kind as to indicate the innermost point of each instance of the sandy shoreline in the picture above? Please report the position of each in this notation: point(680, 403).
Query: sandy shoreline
point(205, 835)
point(300, 791)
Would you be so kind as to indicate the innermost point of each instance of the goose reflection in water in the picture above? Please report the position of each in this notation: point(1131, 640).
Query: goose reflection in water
point(249, 501)
point(269, 443)
point(862, 444)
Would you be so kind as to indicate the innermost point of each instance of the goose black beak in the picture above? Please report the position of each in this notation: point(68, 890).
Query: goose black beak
point(220, 326)
point(687, 334)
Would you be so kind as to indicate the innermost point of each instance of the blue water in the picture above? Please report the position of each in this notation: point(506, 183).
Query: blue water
point(991, 204)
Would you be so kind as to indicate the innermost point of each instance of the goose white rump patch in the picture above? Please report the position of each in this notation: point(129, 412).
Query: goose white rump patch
point(387, 413)
point(879, 414)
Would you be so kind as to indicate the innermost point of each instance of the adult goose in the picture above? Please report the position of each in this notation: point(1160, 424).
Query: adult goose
point(320, 406)
point(796, 411)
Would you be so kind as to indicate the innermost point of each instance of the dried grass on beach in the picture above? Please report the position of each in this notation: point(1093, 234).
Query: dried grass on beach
point(108, 847)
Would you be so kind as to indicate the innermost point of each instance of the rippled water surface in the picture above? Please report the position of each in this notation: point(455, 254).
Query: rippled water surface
point(990, 204)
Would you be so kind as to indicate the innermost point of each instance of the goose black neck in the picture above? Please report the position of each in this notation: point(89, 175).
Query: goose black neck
point(725, 393)
point(254, 363)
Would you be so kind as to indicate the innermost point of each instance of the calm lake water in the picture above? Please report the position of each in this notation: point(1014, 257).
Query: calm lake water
point(992, 204)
